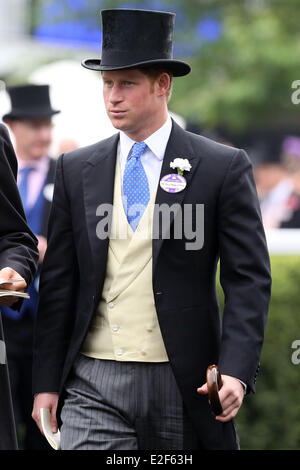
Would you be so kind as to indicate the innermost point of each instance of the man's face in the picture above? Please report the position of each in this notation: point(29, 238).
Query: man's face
point(33, 137)
point(132, 103)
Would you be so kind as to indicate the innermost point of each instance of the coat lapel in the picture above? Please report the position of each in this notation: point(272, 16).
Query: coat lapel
point(179, 146)
point(98, 185)
point(98, 188)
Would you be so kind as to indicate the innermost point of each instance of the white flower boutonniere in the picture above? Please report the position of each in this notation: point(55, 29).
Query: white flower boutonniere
point(173, 183)
point(181, 164)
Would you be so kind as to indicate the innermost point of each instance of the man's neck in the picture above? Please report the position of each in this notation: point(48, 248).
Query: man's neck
point(143, 134)
point(26, 160)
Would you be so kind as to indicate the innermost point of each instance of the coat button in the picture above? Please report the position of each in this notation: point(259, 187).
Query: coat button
point(111, 304)
point(115, 327)
point(119, 352)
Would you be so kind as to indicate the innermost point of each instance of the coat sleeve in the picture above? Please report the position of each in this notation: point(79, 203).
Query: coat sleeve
point(57, 293)
point(18, 245)
point(244, 272)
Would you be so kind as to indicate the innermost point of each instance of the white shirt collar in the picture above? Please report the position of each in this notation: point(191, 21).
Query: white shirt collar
point(157, 142)
point(39, 164)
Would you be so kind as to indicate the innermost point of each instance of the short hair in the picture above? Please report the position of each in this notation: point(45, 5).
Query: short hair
point(154, 72)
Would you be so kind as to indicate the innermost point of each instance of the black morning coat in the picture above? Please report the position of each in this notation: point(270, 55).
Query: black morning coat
point(18, 245)
point(183, 281)
point(18, 250)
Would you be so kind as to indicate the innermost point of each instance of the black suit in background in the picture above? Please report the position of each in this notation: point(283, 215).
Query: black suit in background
point(183, 280)
point(19, 344)
point(17, 242)
point(18, 250)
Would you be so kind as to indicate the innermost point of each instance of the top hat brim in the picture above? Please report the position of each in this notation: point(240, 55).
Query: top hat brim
point(30, 113)
point(177, 67)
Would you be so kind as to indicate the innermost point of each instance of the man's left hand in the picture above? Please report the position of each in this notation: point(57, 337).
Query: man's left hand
point(231, 397)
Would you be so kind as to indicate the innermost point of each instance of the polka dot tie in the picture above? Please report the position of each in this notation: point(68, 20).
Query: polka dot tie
point(135, 186)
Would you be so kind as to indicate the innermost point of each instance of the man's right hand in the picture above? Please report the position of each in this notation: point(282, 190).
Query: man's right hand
point(48, 401)
point(10, 274)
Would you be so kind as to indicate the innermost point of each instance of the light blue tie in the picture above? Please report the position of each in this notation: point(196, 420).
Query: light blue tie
point(23, 186)
point(135, 186)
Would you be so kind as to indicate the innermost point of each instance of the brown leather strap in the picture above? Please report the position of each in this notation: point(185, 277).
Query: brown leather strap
point(214, 383)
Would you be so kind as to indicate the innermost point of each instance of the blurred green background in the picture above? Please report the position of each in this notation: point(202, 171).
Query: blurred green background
point(245, 55)
point(270, 418)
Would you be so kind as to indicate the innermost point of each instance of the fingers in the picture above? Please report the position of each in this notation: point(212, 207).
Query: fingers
point(10, 274)
point(231, 397)
point(36, 415)
point(53, 420)
point(7, 273)
point(229, 413)
point(8, 301)
point(203, 390)
point(48, 401)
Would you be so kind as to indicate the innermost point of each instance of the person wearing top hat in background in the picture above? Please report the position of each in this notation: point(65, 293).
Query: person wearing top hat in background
point(18, 260)
point(127, 325)
point(30, 122)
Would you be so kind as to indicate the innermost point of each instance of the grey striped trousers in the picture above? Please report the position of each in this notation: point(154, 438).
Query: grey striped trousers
point(113, 405)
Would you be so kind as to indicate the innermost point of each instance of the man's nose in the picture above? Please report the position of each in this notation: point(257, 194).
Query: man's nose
point(45, 133)
point(115, 95)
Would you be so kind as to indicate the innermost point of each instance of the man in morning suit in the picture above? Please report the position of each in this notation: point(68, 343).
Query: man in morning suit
point(30, 120)
point(128, 319)
point(18, 260)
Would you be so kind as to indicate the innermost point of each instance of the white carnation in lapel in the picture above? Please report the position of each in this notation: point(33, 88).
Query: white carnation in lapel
point(181, 164)
point(174, 183)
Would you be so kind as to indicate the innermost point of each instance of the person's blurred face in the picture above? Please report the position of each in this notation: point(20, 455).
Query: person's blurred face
point(135, 104)
point(33, 137)
point(267, 176)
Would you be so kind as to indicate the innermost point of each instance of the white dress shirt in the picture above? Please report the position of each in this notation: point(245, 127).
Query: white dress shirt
point(36, 178)
point(153, 156)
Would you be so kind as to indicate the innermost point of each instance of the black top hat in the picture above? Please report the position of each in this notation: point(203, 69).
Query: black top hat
point(137, 39)
point(29, 102)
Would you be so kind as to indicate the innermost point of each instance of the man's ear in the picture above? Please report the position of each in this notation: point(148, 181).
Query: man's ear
point(163, 84)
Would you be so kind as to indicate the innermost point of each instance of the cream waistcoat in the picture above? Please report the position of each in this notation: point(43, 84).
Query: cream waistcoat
point(125, 326)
